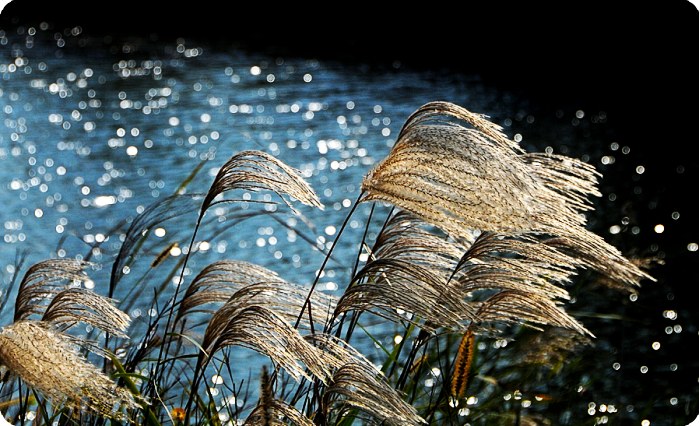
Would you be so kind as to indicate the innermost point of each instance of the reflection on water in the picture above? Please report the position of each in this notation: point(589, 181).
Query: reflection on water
point(90, 138)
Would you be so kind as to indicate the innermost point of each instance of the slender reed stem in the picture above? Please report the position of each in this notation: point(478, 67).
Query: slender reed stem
point(170, 306)
point(307, 302)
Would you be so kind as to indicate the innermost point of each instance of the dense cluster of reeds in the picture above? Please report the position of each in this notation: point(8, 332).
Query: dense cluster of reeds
point(482, 238)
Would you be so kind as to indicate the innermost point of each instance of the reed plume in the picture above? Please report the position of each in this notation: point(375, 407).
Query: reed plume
point(517, 279)
point(463, 178)
point(407, 237)
point(519, 307)
point(357, 383)
point(515, 262)
point(454, 285)
point(47, 360)
point(76, 305)
point(408, 272)
point(221, 280)
point(43, 281)
point(257, 170)
point(267, 332)
point(391, 287)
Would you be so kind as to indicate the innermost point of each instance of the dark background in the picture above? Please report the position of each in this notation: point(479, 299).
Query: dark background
point(636, 61)
point(639, 59)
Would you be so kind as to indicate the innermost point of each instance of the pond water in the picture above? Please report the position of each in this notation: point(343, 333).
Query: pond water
point(93, 132)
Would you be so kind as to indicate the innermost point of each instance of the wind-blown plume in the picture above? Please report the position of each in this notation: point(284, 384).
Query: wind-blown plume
point(256, 170)
point(47, 360)
point(518, 307)
point(406, 237)
point(357, 383)
point(43, 281)
point(75, 305)
point(387, 287)
point(449, 284)
point(499, 262)
point(239, 323)
point(460, 178)
point(220, 280)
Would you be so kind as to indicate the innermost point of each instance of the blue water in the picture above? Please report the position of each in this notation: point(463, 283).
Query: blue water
point(92, 133)
point(90, 139)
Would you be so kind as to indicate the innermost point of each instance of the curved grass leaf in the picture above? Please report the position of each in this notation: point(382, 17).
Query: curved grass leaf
point(155, 214)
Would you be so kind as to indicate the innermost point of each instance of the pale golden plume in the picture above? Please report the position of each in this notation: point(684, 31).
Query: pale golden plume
point(244, 323)
point(438, 282)
point(357, 383)
point(360, 386)
point(43, 281)
point(221, 280)
point(463, 178)
point(47, 361)
point(75, 305)
point(256, 170)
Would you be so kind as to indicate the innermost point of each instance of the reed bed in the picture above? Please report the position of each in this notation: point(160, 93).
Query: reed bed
point(479, 246)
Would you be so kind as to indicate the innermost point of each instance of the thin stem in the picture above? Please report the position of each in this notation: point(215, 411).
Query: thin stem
point(353, 274)
point(307, 302)
point(170, 307)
